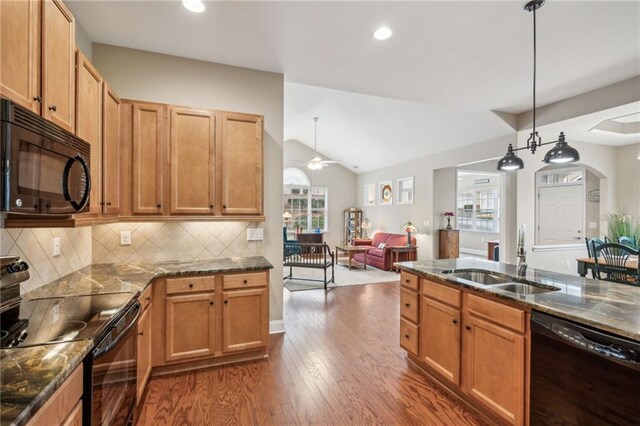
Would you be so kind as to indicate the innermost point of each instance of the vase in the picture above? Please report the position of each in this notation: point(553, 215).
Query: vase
point(449, 227)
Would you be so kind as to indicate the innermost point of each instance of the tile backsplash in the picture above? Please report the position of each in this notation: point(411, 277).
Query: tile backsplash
point(35, 246)
point(157, 241)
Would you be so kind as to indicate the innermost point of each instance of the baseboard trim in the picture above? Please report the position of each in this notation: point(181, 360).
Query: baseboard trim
point(276, 326)
point(473, 251)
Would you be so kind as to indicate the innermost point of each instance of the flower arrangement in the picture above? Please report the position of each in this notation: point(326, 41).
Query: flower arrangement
point(448, 215)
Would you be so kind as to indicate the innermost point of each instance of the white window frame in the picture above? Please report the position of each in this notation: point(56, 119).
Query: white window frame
point(309, 208)
point(475, 192)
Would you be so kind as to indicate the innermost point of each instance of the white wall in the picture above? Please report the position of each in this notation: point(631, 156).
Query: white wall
point(83, 42)
point(628, 176)
point(341, 182)
point(423, 212)
point(136, 74)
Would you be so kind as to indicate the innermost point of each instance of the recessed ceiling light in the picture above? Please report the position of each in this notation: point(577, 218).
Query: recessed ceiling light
point(195, 6)
point(382, 33)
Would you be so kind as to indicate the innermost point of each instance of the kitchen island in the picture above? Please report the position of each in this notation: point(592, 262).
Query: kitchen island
point(469, 324)
point(34, 375)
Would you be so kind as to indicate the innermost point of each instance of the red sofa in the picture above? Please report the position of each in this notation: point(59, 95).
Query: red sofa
point(381, 258)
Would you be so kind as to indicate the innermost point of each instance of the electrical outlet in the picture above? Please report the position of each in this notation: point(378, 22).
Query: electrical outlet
point(256, 234)
point(56, 246)
point(426, 223)
point(568, 264)
point(125, 238)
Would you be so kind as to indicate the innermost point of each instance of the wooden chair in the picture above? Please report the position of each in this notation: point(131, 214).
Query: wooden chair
point(590, 250)
point(614, 268)
point(314, 256)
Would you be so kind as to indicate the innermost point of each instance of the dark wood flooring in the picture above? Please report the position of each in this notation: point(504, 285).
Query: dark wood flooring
point(339, 363)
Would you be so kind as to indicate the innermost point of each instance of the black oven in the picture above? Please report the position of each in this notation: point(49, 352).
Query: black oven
point(45, 169)
point(110, 373)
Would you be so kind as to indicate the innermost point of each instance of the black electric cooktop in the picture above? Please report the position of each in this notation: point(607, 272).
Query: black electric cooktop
point(60, 319)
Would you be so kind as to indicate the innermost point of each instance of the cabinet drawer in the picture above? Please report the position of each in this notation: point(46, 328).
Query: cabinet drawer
point(496, 312)
point(145, 299)
point(409, 304)
point(409, 280)
point(441, 293)
point(255, 279)
point(409, 336)
point(190, 284)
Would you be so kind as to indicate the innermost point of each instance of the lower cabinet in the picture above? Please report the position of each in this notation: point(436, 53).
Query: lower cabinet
point(190, 326)
point(64, 407)
point(144, 351)
point(475, 345)
point(243, 320)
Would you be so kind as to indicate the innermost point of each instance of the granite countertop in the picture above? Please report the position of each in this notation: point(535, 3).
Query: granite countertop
point(134, 277)
point(29, 376)
point(603, 305)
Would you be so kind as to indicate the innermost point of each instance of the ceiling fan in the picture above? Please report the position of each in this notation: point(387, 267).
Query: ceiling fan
point(317, 163)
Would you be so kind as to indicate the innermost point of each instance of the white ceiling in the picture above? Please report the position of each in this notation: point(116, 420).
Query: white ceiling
point(473, 55)
point(373, 132)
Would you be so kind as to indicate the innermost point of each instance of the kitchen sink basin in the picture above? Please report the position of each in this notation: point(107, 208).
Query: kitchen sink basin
point(524, 288)
point(479, 276)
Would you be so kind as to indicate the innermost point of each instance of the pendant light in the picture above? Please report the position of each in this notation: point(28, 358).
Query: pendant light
point(562, 152)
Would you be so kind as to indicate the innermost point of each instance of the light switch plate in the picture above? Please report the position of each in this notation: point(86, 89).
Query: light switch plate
point(125, 238)
point(256, 234)
point(56, 246)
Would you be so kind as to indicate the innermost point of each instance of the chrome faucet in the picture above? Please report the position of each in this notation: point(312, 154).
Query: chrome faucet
point(521, 254)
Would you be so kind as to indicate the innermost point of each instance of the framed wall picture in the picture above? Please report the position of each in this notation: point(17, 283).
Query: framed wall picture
point(405, 191)
point(370, 194)
point(385, 193)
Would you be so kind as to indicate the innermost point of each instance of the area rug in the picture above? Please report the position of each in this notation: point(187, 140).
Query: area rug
point(343, 276)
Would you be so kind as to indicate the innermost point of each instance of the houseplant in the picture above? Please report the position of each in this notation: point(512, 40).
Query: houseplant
point(622, 225)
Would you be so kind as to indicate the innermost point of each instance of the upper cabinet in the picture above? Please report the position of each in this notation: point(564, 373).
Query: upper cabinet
point(89, 123)
point(110, 151)
point(58, 59)
point(20, 52)
point(192, 159)
point(241, 158)
point(147, 156)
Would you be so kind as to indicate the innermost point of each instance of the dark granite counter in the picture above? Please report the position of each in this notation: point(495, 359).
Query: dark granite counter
point(603, 305)
point(134, 277)
point(30, 376)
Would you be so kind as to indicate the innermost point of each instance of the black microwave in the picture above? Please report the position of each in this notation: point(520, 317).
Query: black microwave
point(45, 169)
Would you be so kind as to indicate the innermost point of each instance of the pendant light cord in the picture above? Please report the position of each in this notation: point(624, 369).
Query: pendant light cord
point(534, 77)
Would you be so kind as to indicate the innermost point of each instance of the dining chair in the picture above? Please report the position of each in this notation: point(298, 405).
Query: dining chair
point(629, 242)
point(590, 250)
point(611, 263)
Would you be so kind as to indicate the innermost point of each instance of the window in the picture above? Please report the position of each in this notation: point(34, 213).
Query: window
point(308, 207)
point(478, 210)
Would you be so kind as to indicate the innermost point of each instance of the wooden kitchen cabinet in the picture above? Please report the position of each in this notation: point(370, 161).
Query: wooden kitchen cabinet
point(110, 151)
point(192, 161)
point(440, 339)
point(64, 407)
point(494, 368)
point(58, 64)
point(245, 320)
point(144, 350)
point(190, 326)
point(89, 107)
point(148, 158)
point(20, 27)
point(241, 159)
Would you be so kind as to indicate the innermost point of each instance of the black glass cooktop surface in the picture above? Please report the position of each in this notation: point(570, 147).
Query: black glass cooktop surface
point(60, 319)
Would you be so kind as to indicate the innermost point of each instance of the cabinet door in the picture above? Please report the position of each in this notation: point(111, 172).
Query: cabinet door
point(89, 123)
point(144, 351)
point(75, 417)
point(148, 140)
point(245, 320)
point(241, 153)
point(494, 368)
point(58, 64)
point(192, 161)
point(110, 151)
point(20, 52)
point(440, 339)
point(190, 326)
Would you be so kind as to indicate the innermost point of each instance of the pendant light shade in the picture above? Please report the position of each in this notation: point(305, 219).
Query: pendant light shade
point(510, 161)
point(562, 153)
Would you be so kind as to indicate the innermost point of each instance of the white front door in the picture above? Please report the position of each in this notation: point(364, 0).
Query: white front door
point(560, 215)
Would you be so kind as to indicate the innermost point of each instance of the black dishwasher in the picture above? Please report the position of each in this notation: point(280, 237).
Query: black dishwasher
point(581, 376)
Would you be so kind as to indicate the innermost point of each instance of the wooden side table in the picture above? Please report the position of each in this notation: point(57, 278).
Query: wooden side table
point(397, 250)
point(349, 251)
point(449, 243)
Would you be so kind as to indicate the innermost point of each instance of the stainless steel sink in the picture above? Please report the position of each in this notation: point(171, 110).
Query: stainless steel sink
point(479, 276)
point(524, 288)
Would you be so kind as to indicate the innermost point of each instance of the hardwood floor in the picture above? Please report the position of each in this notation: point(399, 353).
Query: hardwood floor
point(339, 363)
